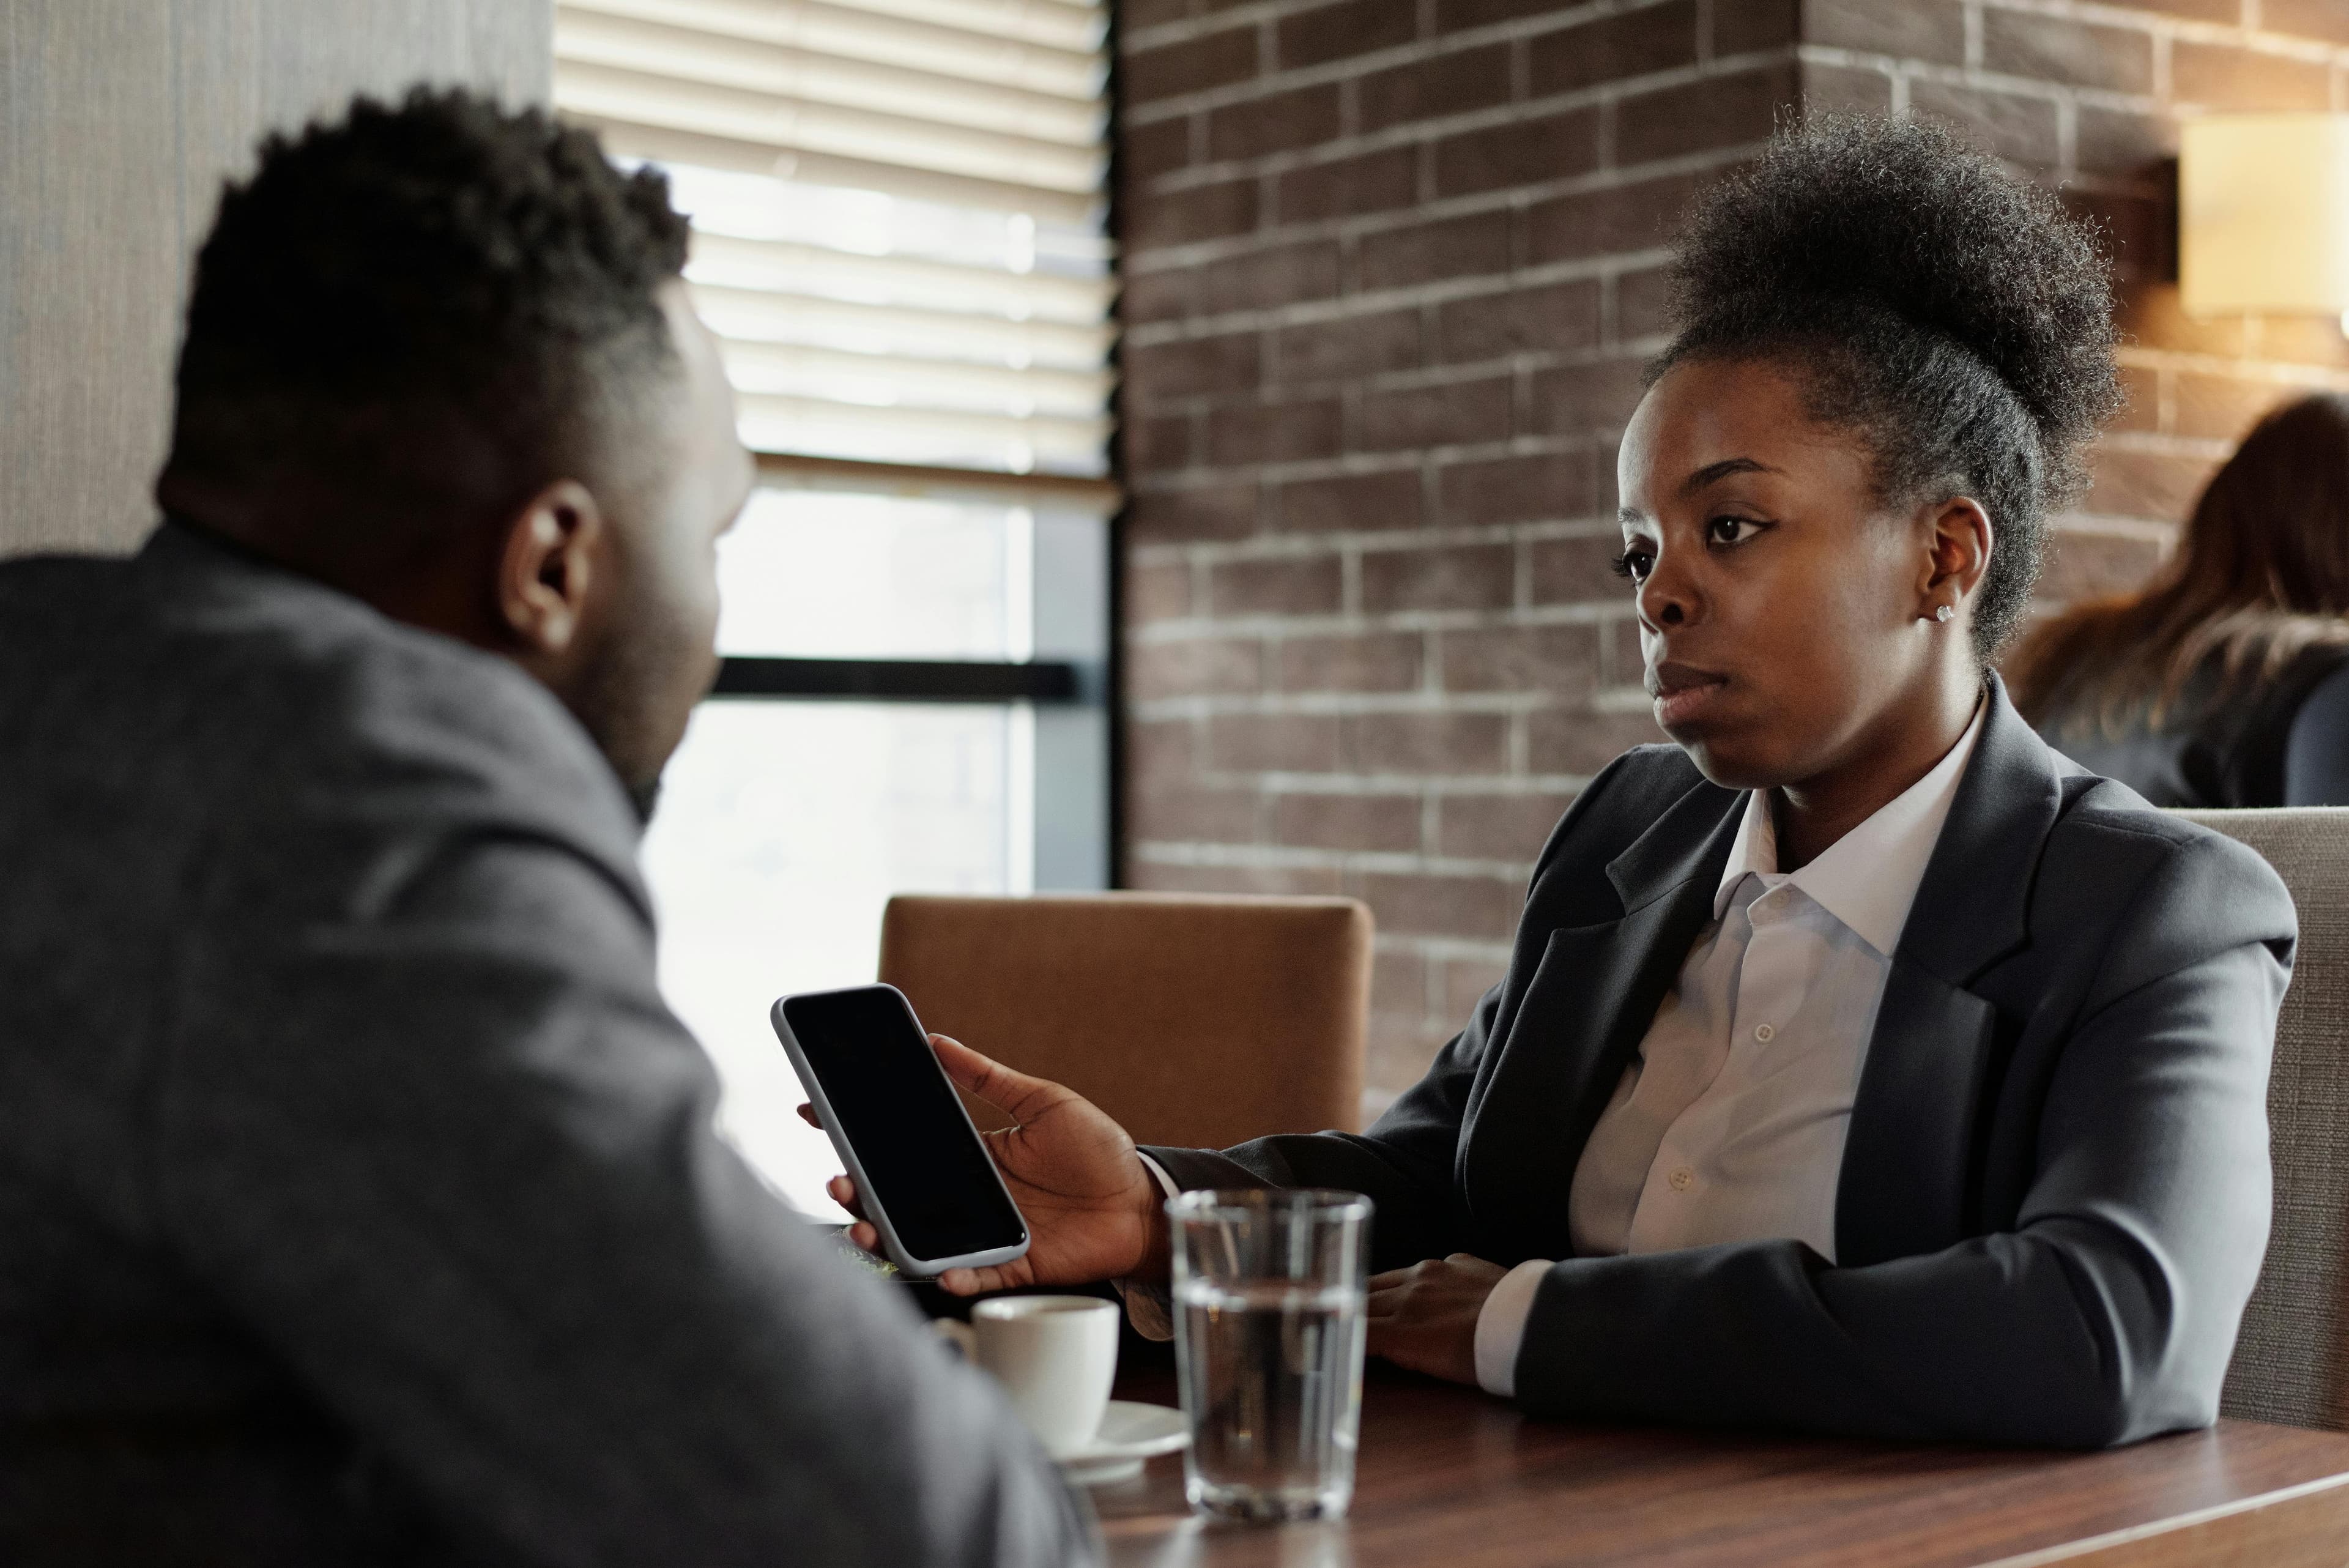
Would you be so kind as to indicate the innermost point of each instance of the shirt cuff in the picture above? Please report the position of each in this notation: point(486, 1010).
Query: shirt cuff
point(1501, 1326)
point(1149, 1308)
point(1166, 1182)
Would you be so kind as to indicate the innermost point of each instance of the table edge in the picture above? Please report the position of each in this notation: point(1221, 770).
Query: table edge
point(2128, 1535)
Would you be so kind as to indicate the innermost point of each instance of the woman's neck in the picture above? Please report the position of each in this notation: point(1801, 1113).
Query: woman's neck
point(1811, 815)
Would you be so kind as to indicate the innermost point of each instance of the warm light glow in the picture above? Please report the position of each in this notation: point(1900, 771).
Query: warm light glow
point(2263, 214)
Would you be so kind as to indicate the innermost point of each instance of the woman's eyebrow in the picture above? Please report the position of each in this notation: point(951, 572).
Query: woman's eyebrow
point(1629, 517)
point(1713, 471)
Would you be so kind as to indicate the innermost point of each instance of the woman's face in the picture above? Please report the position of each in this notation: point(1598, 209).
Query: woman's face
point(1784, 614)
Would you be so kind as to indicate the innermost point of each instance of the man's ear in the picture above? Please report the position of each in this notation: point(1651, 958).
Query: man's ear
point(546, 570)
point(1959, 548)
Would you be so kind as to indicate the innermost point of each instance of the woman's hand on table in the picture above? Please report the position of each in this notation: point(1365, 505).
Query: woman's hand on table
point(1424, 1318)
point(1093, 1211)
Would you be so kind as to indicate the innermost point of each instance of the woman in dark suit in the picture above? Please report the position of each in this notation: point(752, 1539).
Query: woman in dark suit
point(2224, 682)
point(1862, 1067)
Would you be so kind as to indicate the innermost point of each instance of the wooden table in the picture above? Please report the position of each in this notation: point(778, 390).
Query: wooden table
point(1448, 1477)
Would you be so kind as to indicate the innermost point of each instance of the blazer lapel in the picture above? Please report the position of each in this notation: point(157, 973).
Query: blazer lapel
point(1911, 1180)
point(1588, 1005)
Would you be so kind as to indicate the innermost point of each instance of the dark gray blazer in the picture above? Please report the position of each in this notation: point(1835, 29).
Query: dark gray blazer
point(2053, 1198)
point(358, 1197)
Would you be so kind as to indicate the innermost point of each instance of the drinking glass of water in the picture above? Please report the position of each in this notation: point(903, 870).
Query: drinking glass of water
point(1269, 1302)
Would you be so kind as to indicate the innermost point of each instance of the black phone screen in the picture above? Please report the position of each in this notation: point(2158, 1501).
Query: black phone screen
point(893, 1100)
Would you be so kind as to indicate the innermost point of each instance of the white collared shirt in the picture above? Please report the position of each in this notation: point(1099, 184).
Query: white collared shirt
point(1728, 1124)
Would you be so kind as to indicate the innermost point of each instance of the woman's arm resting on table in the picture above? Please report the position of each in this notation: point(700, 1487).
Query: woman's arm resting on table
point(1424, 1318)
point(2107, 1315)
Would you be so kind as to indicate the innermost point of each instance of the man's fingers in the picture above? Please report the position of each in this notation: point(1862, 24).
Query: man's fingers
point(1389, 1280)
point(807, 1115)
point(866, 1236)
point(1015, 1094)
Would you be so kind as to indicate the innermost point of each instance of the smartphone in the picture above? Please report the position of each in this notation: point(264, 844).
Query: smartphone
point(927, 1181)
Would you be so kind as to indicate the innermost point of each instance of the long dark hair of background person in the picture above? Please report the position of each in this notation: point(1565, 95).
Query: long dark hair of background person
point(2226, 683)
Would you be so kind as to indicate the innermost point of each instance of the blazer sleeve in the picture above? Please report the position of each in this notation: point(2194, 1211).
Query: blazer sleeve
point(2108, 1313)
point(453, 1162)
point(1407, 1163)
point(1403, 1164)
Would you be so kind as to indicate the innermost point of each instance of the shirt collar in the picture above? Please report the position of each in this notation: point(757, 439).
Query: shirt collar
point(1868, 878)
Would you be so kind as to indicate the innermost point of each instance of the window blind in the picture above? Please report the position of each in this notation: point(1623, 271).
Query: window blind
point(897, 209)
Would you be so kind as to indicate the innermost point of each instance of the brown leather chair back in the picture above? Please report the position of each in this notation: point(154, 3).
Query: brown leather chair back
point(2292, 1360)
point(1196, 1021)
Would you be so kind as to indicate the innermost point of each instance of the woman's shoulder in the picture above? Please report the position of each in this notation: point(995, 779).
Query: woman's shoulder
point(1624, 800)
point(2178, 883)
point(2108, 818)
point(1639, 785)
point(1659, 762)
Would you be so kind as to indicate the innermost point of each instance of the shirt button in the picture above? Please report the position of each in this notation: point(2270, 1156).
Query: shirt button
point(1765, 1033)
point(1681, 1179)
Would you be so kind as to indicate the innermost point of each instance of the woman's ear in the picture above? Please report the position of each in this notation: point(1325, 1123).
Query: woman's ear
point(1957, 555)
point(546, 570)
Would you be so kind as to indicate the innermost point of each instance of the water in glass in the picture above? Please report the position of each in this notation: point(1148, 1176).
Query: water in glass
point(1272, 1374)
point(1269, 1320)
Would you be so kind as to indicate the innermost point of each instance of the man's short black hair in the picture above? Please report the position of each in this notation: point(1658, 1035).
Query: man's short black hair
point(421, 311)
point(1954, 315)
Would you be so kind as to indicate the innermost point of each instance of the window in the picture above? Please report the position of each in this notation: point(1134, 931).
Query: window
point(897, 210)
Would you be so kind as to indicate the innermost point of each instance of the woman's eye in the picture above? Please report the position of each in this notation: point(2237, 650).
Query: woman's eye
point(1634, 563)
point(1731, 530)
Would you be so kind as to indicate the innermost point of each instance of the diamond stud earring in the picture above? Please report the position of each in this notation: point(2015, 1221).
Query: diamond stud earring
point(1944, 613)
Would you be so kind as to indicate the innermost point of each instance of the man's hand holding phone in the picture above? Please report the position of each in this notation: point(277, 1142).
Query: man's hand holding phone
point(1093, 1208)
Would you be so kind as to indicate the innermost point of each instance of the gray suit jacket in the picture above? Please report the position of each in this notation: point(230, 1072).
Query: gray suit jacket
point(2053, 1197)
point(358, 1195)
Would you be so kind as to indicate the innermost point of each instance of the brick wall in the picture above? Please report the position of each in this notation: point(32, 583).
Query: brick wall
point(2089, 97)
point(1391, 271)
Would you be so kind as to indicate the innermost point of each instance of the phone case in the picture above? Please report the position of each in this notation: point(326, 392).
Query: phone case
point(874, 1210)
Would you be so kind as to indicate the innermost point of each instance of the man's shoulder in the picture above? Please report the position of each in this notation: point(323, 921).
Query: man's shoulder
point(280, 703)
point(392, 705)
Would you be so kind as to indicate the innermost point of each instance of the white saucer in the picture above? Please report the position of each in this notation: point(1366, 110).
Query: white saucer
point(1130, 1433)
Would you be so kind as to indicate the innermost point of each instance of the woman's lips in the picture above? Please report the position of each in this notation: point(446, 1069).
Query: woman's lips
point(1682, 694)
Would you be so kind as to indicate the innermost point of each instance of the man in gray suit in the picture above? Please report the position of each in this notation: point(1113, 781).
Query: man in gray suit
point(360, 1199)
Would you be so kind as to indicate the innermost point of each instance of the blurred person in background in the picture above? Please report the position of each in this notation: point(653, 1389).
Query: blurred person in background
point(2224, 682)
point(361, 1200)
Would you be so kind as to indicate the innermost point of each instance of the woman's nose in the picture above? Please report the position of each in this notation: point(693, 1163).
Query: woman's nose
point(1665, 597)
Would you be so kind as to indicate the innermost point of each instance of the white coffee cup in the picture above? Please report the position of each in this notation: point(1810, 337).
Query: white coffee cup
point(1055, 1356)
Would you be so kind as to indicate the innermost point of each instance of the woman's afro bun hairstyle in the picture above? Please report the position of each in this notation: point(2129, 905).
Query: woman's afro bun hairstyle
point(1955, 314)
